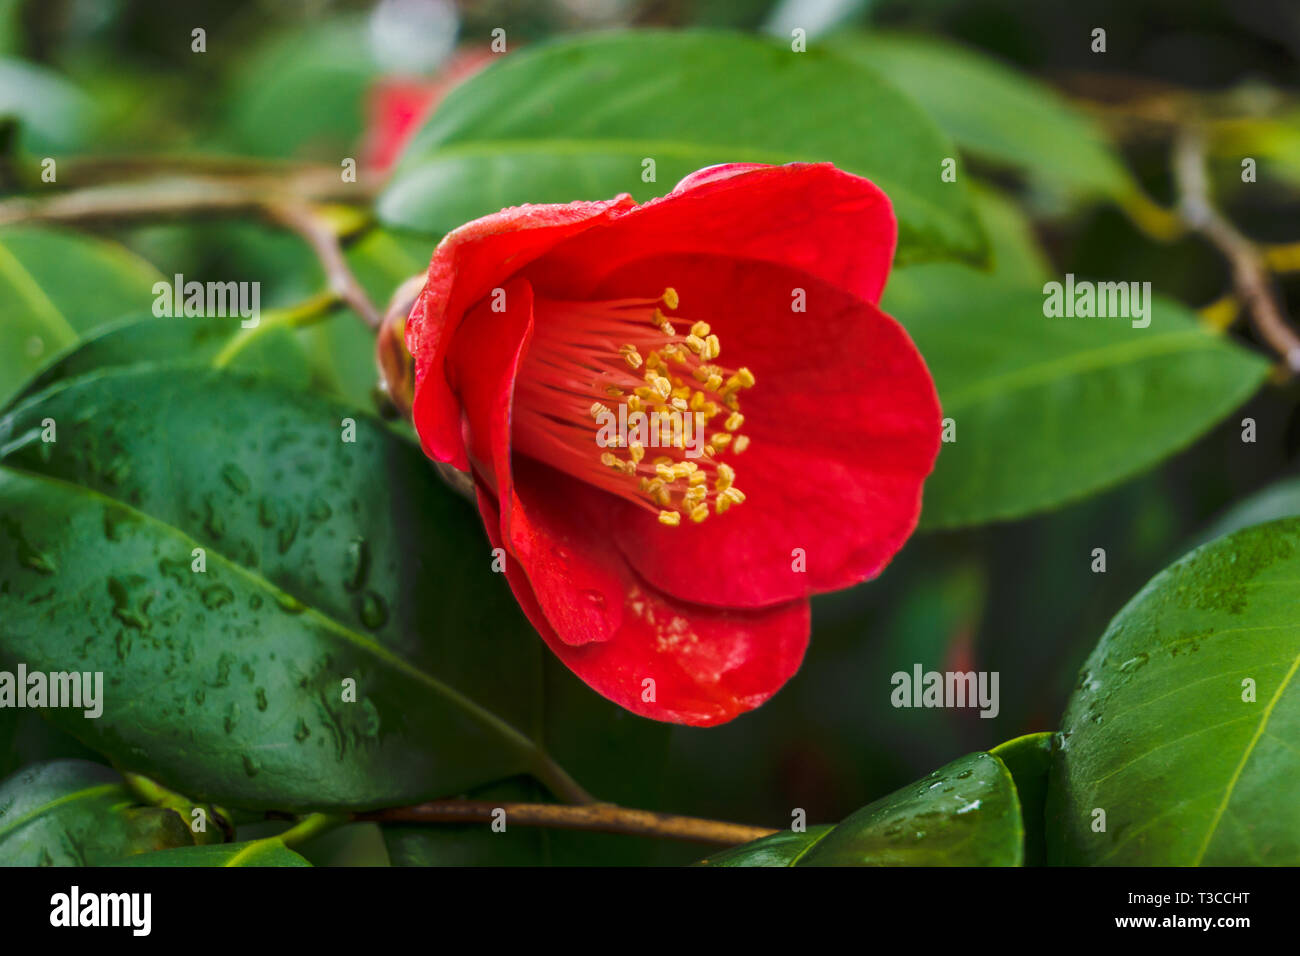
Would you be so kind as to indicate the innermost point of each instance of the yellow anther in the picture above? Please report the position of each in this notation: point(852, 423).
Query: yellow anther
point(682, 391)
point(607, 458)
point(598, 409)
point(680, 404)
point(634, 404)
point(667, 329)
point(734, 421)
point(726, 475)
point(631, 356)
point(744, 378)
point(713, 383)
point(722, 504)
point(666, 472)
point(663, 460)
point(697, 478)
point(694, 495)
point(657, 318)
point(670, 518)
point(647, 394)
point(697, 401)
point(652, 360)
point(637, 451)
point(734, 493)
point(699, 512)
point(679, 356)
point(700, 329)
point(662, 498)
point(695, 344)
point(714, 347)
point(663, 387)
point(701, 373)
point(719, 439)
point(709, 409)
point(742, 442)
point(613, 391)
point(670, 298)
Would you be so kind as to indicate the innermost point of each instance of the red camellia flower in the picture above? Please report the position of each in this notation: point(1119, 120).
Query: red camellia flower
point(682, 418)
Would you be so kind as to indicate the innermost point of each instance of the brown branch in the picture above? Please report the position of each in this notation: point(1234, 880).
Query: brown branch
point(285, 202)
point(596, 817)
point(324, 241)
point(1250, 275)
point(177, 196)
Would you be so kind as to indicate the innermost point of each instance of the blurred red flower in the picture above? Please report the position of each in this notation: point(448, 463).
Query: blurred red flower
point(397, 106)
point(671, 570)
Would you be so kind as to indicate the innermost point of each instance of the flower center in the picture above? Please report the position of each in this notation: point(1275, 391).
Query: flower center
point(612, 393)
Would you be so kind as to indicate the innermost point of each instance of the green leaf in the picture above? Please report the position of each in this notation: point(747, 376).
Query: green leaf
point(963, 814)
point(45, 310)
point(268, 852)
point(780, 849)
point(76, 813)
point(142, 340)
point(55, 116)
point(1029, 759)
point(575, 119)
point(326, 561)
point(1049, 410)
point(328, 65)
point(995, 112)
point(1184, 722)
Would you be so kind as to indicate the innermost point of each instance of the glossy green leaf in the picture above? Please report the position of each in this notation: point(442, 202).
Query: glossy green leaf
point(575, 119)
point(326, 561)
point(140, 340)
point(783, 848)
point(42, 312)
point(1182, 729)
point(77, 813)
point(963, 814)
point(268, 852)
point(995, 112)
point(1048, 410)
point(1029, 760)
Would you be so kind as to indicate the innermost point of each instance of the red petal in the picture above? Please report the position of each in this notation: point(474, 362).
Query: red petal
point(708, 665)
point(582, 600)
point(813, 217)
point(844, 426)
point(467, 265)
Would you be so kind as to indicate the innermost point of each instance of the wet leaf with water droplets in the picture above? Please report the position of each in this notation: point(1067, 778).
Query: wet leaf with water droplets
point(1184, 730)
point(258, 645)
point(964, 814)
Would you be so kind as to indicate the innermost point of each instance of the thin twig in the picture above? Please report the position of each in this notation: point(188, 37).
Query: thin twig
point(1250, 273)
point(178, 196)
point(318, 233)
point(288, 203)
point(596, 817)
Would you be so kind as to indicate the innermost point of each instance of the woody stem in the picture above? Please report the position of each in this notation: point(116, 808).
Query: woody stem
point(594, 817)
